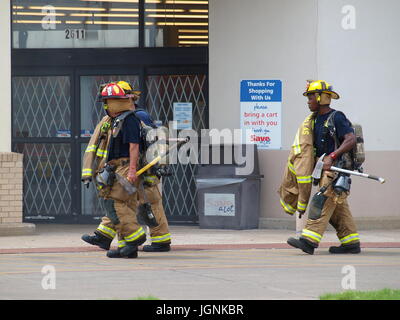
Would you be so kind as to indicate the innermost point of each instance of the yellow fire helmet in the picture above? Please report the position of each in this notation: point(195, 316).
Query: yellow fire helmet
point(320, 86)
point(128, 88)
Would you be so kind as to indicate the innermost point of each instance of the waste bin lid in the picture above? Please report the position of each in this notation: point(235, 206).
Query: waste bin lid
point(203, 183)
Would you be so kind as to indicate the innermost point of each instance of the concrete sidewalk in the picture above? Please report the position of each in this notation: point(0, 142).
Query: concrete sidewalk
point(67, 238)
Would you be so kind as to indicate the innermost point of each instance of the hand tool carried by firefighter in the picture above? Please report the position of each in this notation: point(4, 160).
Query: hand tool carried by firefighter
point(108, 174)
point(145, 214)
point(180, 141)
point(130, 188)
point(318, 171)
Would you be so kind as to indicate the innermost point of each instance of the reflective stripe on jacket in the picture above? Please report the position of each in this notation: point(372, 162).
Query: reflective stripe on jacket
point(296, 184)
point(96, 152)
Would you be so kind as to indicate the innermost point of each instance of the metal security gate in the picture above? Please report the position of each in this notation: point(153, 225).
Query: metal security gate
point(41, 124)
point(179, 190)
point(54, 113)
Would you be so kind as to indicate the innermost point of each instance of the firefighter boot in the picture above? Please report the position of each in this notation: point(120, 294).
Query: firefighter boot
point(98, 240)
point(117, 254)
point(157, 247)
point(302, 244)
point(129, 250)
point(347, 248)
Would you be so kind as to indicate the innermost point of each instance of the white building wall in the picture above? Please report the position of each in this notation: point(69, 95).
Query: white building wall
point(5, 67)
point(298, 40)
point(363, 64)
point(260, 39)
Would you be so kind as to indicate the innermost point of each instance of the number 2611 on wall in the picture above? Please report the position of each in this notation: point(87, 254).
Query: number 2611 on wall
point(78, 34)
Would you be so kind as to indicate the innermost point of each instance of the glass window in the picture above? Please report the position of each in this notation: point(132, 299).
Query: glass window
point(75, 24)
point(173, 23)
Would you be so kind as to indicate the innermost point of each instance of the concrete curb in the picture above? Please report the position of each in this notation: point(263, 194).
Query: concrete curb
point(191, 247)
point(362, 223)
point(17, 229)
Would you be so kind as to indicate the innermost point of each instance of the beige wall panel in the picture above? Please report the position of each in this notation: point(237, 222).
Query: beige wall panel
point(298, 40)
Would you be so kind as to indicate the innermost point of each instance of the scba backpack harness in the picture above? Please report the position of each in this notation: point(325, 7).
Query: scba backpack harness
point(353, 159)
point(148, 136)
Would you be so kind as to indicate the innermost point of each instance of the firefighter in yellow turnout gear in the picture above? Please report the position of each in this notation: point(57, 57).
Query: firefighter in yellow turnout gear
point(118, 148)
point(329, 205)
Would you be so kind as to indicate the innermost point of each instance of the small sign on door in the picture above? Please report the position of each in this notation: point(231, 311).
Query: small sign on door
point(182, 113)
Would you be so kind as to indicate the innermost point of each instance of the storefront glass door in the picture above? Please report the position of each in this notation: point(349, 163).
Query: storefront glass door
point(54, 116)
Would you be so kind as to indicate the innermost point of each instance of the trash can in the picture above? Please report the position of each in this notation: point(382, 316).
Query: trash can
point(227, 198)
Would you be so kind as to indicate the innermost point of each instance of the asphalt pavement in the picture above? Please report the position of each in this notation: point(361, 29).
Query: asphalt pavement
point(204, 264)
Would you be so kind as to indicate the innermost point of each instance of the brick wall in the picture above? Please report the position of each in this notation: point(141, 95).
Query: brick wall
point(11, 187)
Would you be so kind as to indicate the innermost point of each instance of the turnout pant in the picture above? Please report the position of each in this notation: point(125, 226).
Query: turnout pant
point(159, 234)
point(335, 211)
point(121, 219)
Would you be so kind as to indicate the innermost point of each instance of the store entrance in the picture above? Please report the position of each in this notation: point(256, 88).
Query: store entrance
point(55, 110)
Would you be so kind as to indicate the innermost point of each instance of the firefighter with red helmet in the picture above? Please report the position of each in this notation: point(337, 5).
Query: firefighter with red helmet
point(116, 146)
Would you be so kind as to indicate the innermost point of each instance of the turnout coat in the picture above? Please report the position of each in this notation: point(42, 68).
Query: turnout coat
point(296, 185)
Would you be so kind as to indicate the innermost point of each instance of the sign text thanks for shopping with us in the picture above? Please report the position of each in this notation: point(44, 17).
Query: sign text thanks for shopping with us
point(260, 105)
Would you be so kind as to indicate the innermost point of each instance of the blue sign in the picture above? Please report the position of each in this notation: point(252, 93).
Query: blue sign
point(63, 134)
point(261, 110)
point(86, 133)
point(183, 115)
point(261, 90)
